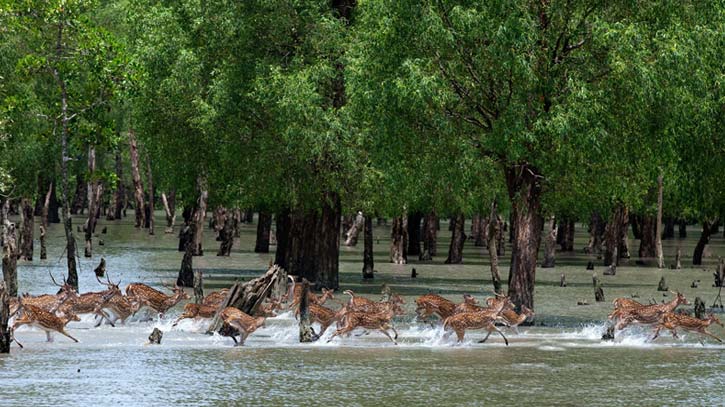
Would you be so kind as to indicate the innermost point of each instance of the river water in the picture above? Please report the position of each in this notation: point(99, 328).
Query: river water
point(563, 362)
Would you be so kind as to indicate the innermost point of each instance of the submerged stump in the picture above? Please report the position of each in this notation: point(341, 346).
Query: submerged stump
point(155, 337)
point(662, 286)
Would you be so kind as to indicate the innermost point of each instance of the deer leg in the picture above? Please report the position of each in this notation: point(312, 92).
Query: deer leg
point(486, 338)
point(388, 335)
point(396, 332)
point(66, 334)
point(708, 333)
point(502, 335)
point(48, 337)
point(178, 320)
point(657, 333)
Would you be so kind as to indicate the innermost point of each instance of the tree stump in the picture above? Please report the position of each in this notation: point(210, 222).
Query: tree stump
point(662, 286)
point(155, 337)
point(198, 286)
point(5, 334)
point(719, 273)
point(611, 270)
point(599, 294)
point(590, 265)
point(248, 297)
point(562, 282)
point(306, 332)
point(595, 280)
point(609, 333)
point(699, 308)
point(101, 269)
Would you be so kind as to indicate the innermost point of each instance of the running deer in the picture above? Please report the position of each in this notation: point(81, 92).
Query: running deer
point(672, 321)
point(92, 302)
point(48, 302)
point(143, 295)
point(380, 321)
point(362, 304)
point(295, 293)
point(622, 306)
point(485, 319)
point(243, 323)
point(268, 309)
point(45, 320)
point(649, 314)
point(429, 304)
point(194, 311)
point(325, 316)
point(121, 308)
point(511, 319)
point(216, 298)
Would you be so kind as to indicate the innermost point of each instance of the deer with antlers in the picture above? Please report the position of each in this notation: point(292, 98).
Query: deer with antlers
point(485, 319)
point(672, 321)
point(47, 321)
point(362, 304)
point(378, 321)
point(92, 302)
point(649, 314)
point(622, 306)
point(48, 302)
point(244, 324)
point(143, 295)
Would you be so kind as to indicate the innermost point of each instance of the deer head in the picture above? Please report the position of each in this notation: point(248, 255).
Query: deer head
point(111, 287)
point(680, 299)
point(713, 319)
point(469, 299)
point(327, 295)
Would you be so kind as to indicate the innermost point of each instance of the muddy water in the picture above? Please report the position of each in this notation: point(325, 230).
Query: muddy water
point(563, 362)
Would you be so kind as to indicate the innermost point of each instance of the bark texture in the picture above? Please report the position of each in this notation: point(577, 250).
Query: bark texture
point(550, 244)
point(702, 242)
point(648, 242)
point(10, 251)
point(368, 262)
point(658, 229)
point(398, 241)
point(198, 218)
point(26, 240)
point(354, 230)
point(458, 238)
point(138, 194)
point(169, 203)
point(430, 236)
point(524, 190)
point(414, 233)
point(264, 228)
point(494, 231)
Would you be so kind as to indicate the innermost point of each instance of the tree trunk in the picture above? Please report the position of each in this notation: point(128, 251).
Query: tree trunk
point(669, 232)
point(306, 332)
point(658, 227)
point(216, 222)
point(647, 245)
point(226, 236)
point(92, 189)
point(458, 237)
point(615, 236)
point(368, 263)
point(704, 240)
point(150, 210)
point(596, 230)
point(682, 226)
point(550, 244)
point(636, 222)
point(237, 217)
point(430, 232)
point(26, 235)
point(80, 196)
point(264, 227)
point(624, 235)
point(120, 192)
point(248, 216)
point(44, 223)
point(72, 279)
point(494, 231)
point(414, 233)
point(565, 235)
point(170, 210)
point(5, 332)
point(198, 218)
point(524, 190)
point(398, 240)
point(138, 194)
point(353, 232)
point(283, 225)
point(313, 246)
point(186, 272)
point(10, 250)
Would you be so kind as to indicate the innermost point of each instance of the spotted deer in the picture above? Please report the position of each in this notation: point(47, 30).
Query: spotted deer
point(295, 293)
point(510, 318)
point(121, 307)
point(48, 302)
point(325, 316)
point(362, 304)
point(429, 304)
point(622, 306)
point(144, 295)
point(194, 311)
point(649, 314)
point(243, 323)
point(485, 319)
point(216, 298)
point(47, 321)
point(269, 309)
point(672, 321)
point(379, 321)
point(92, 302)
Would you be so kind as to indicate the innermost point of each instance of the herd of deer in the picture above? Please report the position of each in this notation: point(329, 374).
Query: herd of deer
point(52, 313)
point(628, 311)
